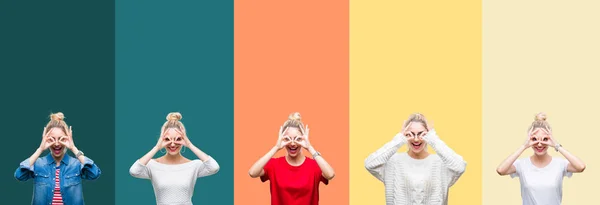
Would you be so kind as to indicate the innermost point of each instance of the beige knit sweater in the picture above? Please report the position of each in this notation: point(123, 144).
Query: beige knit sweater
point(431, 177)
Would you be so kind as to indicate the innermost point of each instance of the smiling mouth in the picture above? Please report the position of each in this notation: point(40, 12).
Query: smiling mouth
point(540, 149)
point(57, 150)
point(417, 146)
point(172, 149)
point(293, 150)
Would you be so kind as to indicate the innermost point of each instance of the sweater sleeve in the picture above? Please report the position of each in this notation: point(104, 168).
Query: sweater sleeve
point(375, 163)
point(453, 162)
point(207, 168)
point(138, 170)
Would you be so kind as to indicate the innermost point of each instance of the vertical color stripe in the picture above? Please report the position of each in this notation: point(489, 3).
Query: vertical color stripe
point(290, 56)
point(541, 57)
point(57, 56)
point(415, 56)
point(174, 56)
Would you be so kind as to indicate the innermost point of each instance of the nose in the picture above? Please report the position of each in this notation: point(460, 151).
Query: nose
point(417, 139)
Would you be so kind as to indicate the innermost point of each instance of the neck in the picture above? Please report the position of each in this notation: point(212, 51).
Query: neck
point(298, 159)
point(541, 158)
point(421, 155)
point(173, 158)
point(58, 159)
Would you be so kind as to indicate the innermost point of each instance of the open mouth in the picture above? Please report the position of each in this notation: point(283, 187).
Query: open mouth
point(172, 149)
point(293, 150)
point(540, 149)
point(56, 150)
point(417, 145)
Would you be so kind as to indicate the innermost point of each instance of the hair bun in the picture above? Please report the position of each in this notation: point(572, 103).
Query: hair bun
point(295, 116)
point(175, 116)
point(540, 116)
point(59, 116)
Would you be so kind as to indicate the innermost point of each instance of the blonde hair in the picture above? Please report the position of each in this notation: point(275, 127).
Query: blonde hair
point(294, 120)
point(540, 122)
point(416, 117)
point(173, 121)
point(57, 120)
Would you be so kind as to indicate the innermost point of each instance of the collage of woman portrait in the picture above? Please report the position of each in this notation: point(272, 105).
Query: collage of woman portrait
point(336, 102)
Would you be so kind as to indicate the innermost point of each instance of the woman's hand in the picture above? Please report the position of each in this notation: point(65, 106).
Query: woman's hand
point(46, 140)
point(185, 141)
point(303, 139)
point(162, 140)
point(283, 139)
point(67, 140)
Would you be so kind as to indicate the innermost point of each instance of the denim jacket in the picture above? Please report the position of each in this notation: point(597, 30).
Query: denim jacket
point(43, 174)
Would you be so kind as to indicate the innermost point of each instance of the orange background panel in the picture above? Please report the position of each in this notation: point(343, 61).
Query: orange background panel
point(290, 56)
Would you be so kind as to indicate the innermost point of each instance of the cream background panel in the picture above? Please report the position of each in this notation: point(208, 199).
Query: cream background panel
point(540, 56)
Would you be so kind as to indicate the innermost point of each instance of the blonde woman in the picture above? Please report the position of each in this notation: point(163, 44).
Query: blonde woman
point(172, 175)
point(294, 178)
point(541, 175)
point(57, 176)
point(416, 177)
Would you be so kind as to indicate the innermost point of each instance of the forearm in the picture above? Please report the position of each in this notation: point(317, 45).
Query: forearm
point(35, 156)
point(451, 159)
point(257, 167)
point(505, 167)
point(577, 164)
point(146, 158)
point(383, 154)
point(199, 153)
point(326, 169)
point(80, 158)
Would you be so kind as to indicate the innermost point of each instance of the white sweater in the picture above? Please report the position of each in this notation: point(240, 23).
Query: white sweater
point(174, 184)
point(412, 181)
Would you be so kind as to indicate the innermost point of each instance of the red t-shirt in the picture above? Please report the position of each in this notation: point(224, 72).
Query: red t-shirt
point(293, 185)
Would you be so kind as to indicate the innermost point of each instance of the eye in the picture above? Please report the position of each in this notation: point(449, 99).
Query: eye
point(178, 139)
point(533, 139)
point(286, 139)
point(545, 139)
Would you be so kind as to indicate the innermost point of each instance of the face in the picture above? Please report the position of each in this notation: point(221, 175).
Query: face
point(539, 148)
point(417, 144)
point(293, 148)
point(173, 137)
point(57, 149)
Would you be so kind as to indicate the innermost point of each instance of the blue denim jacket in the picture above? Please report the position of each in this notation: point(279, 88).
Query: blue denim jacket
point(71, 173)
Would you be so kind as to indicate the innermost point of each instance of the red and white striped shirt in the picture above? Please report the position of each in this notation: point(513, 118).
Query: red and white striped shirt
point(57, 198)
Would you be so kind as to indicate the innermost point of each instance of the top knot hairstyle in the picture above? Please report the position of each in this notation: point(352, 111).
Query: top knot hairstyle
point(174, 121)
point(294, 120)
point(416, 117)
point(540, 122)
point(57, 120)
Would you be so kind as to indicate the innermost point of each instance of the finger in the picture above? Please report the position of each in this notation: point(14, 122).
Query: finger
point(44, 133)
point(70, 131)
point(280, 130)
point(407, 126)
point(285, 130)
point(179, 132)
point(48, 133)
point(545, 130)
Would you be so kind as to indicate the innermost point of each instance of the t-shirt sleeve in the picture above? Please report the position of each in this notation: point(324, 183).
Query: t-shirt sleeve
point(517, 165)
point(319, 174)
point(565, 167)
point(268, 169)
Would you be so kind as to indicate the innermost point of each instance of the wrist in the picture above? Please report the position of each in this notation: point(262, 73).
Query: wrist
point(74, 150)
point(311, 149)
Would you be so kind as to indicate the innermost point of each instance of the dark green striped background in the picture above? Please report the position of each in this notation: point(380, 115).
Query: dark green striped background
point(116, 70)
point(57, 56)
